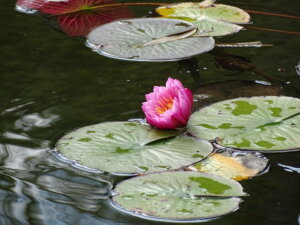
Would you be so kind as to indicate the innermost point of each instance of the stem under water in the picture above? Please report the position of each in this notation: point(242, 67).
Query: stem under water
point(273, 30)
point(273, 14)
point(128, 4)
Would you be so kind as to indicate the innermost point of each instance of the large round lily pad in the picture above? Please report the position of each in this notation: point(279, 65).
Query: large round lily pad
point(268, 124)
point(177, 196)
point(131, 148)
point(211, 20)
point(148, 39)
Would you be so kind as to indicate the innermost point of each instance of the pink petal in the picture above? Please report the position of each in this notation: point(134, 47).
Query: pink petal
point(174, 95)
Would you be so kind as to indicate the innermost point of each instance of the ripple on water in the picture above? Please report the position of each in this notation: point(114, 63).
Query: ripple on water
point(54, 197)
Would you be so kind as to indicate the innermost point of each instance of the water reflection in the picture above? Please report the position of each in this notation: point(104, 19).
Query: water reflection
point(36, 120)
point(61, 85)
point(54, 197)
point(20, 158)
point(289, 168)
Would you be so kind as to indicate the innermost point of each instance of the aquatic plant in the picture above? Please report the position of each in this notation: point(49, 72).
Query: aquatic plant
point(77, 17)
point(168, 107)
point(161, 152)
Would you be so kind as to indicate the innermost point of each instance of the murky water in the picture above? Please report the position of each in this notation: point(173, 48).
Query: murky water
point(51, 83)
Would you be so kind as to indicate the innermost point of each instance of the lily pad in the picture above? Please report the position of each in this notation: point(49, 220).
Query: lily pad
point(177, 196)
point(130, 148)
point(233, 164)
point(129, 40)
point(267, 124)
point(213, 20)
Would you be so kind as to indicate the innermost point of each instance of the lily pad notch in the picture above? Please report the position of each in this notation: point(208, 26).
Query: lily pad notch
point(130, 148)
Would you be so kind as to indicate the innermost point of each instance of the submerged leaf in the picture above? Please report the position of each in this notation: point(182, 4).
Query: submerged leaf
point(268, 124)
point(177, 196)
point(214, 92)
point(123, 40)
point(128, 148)
point(61, 7)
point(211, 19)
point(233, 164)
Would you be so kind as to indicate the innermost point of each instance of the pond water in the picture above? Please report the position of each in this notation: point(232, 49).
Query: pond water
point(51, 83)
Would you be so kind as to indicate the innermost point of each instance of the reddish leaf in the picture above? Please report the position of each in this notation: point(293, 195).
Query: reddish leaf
point(80, 23)
point(57, 8)
point(30, 4)
point(76, 17)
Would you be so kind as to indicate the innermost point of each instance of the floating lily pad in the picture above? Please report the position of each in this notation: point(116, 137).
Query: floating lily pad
point(233, 164)
point(268, 124)
point(129, 148)
point(178, 196)
point(129, 40)
point(213, 20)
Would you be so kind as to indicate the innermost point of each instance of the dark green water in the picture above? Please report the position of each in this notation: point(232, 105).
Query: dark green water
point(51, 83)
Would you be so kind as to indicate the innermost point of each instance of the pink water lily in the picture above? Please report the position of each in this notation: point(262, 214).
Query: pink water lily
point(168, 107)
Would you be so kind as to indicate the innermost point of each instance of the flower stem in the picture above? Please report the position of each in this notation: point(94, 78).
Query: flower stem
point(127, 4)
point(273, 30)
point(273, 14)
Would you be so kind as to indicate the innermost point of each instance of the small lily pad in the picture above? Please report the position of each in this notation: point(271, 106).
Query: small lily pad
point(177, 196)
point(213, 20)
point(129, 148)
point(267, 124)
point(129, 40)
point(233, 164)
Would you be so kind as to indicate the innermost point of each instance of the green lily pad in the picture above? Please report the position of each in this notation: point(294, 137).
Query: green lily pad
point(129, 148)
point(267, 124)
point(129, 40)
point(213, 20)
point(177, 196)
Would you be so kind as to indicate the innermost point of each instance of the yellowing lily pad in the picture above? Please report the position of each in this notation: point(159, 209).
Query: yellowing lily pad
point(130, 148)
point(178, 197)
point(267, 124)
point(212, 20)
point(233, 164)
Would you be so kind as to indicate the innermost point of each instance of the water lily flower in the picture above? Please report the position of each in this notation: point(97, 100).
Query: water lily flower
point(168, 107)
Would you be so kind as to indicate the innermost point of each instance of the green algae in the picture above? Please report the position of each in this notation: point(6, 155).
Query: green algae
point(210, 185)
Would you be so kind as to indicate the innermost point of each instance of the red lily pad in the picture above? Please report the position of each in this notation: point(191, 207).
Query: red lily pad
point(81, 23)
point(77, 17)
point(62, 7)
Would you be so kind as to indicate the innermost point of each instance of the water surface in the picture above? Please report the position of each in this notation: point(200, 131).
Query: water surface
point(51, 83)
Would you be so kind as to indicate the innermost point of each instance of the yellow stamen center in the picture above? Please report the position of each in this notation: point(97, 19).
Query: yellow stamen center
point(164, 104)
